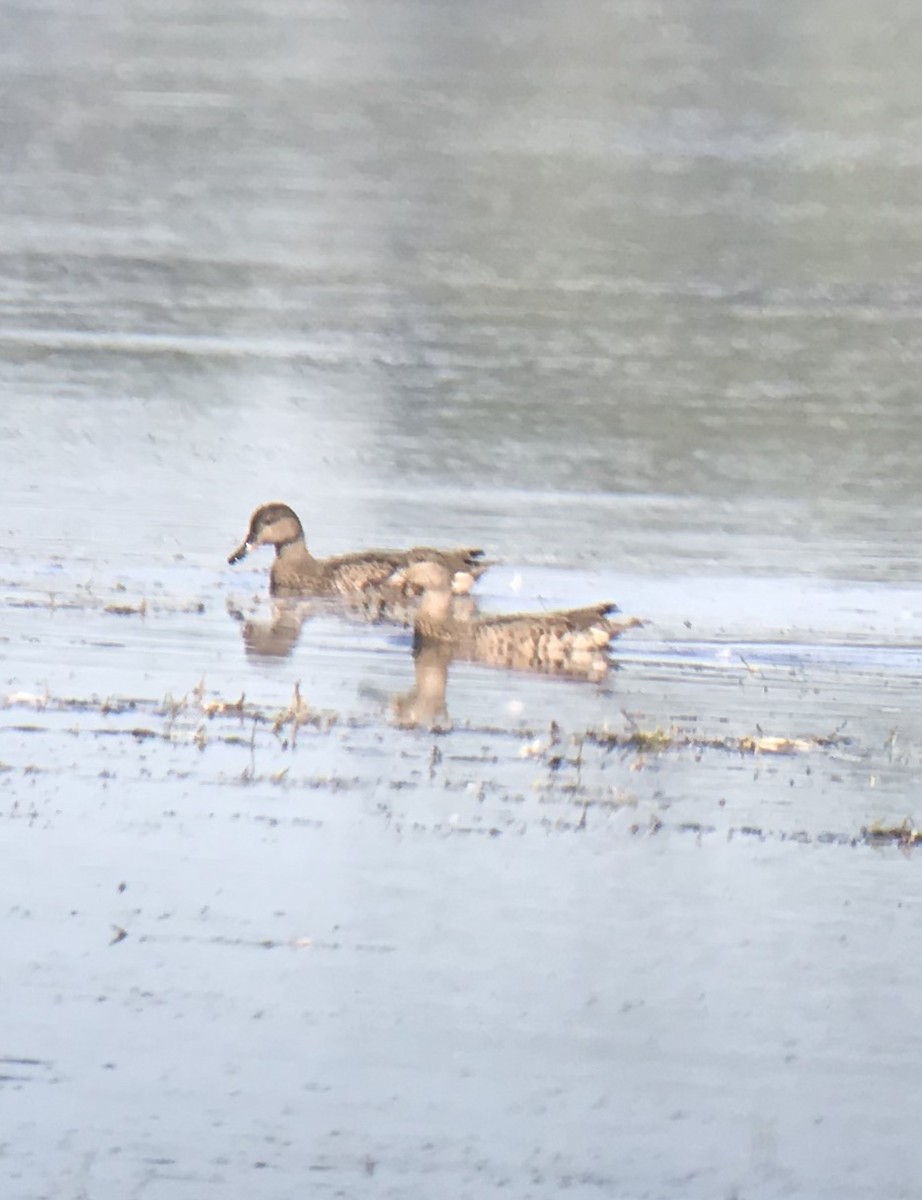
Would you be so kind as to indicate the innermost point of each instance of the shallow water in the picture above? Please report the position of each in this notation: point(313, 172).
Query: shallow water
point(629, 298)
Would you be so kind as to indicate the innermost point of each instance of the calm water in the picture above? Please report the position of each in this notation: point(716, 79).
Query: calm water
point(629, 295)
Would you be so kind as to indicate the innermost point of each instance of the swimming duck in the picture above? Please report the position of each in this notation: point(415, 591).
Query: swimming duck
point(570, 641)
point(295, 571)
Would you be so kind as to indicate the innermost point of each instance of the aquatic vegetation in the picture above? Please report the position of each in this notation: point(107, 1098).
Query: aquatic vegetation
point(632, 780)
point(905, 834)
point(656, 741)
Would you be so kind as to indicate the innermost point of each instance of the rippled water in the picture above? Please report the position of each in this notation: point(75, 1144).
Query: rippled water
point(628, 295)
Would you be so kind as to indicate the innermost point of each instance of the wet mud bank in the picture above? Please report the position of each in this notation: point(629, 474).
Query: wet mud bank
point(253, 941)
point(280, 905)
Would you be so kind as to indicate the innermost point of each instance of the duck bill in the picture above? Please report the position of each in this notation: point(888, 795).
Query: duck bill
point(239, 553)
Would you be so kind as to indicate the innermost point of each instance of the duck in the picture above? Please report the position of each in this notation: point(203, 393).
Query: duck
point(569, 641)
point(296, 572)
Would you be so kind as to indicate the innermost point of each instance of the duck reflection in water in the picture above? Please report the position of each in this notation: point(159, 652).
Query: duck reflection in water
point(277, 636)
point(424, 705)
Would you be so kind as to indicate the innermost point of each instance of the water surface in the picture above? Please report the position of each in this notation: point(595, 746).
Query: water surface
point(629, 297)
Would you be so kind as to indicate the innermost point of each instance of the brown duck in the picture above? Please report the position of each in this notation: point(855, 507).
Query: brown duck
point(295, 571)
point(571, 642)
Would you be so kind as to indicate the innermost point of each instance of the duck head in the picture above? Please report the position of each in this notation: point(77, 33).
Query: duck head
point(433, 579)
point(270, 525)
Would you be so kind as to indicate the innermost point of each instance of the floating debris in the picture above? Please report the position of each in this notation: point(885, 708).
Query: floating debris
point(777, 745)
point(90, 603)
point(654, 741)
point(299, 713)
point(650, 741)
point(127, 610)
point(904, 834)
point(26, 700)
point(532, 749)
point(214, 708)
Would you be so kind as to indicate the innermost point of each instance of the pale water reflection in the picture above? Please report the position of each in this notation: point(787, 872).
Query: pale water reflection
point(628, 295)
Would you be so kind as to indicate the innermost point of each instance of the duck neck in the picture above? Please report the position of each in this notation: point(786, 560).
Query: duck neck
point(293, 550)
point(433, 618)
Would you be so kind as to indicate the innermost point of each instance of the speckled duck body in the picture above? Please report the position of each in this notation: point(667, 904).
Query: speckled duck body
point(571, 641)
